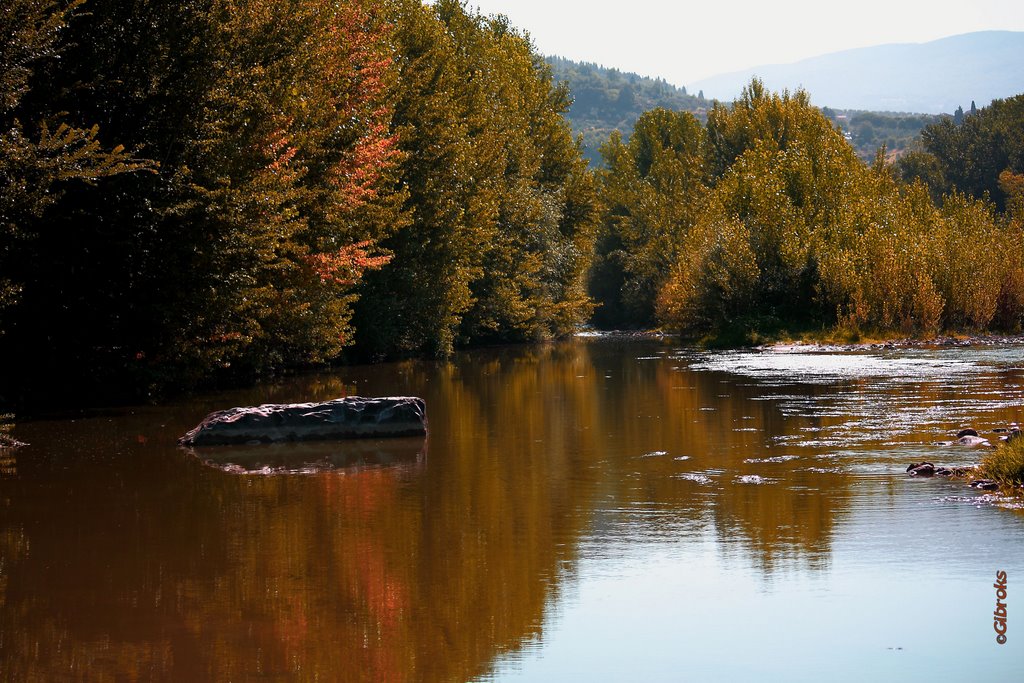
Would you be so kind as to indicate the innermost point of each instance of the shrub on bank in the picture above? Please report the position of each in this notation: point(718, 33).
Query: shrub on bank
point(1006, 464)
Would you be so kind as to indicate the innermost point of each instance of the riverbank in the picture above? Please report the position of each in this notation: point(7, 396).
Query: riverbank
point(838, 344)
point(7, 442)
point(823, 340)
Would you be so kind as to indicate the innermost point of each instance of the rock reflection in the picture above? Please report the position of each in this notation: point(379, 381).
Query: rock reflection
point(312, 457)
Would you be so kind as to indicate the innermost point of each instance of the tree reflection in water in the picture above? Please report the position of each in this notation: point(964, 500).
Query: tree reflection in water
point(122, 557)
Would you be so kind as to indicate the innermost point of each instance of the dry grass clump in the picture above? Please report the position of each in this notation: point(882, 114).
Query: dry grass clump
point(1006, 464)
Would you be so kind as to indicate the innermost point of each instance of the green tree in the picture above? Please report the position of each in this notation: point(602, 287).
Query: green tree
point(653, 189)
point(972, 155)
point(500, 199)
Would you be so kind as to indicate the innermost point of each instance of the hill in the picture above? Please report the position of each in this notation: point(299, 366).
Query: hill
point(606, 99)
point(933, 78)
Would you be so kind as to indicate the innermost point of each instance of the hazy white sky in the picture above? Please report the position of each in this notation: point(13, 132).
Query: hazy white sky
point(686, 41)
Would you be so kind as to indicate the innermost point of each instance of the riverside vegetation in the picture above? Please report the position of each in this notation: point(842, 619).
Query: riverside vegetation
point(200, 192)
point(223, 189)
point(764, 218)
point(1006, 465)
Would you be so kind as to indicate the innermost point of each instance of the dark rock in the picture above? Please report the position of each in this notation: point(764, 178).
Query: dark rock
point(966, 432)
point(985, 484)
point(344, 418)
point(925, 469)
point(943, 472)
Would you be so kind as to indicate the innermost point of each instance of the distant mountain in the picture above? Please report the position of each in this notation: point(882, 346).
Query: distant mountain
point(931, 78)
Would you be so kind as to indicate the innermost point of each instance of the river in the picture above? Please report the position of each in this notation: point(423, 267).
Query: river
point(594, 510)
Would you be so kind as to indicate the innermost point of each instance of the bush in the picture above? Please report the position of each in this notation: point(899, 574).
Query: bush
point(1006, 463)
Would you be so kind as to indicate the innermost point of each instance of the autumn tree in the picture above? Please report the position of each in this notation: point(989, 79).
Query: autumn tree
point(271, 126)
point(501, 202)
point(788, 229)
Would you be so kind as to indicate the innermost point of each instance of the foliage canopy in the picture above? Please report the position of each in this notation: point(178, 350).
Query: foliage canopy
point(781, 224)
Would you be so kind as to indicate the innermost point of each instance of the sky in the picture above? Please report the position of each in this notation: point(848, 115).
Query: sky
point(684, 42)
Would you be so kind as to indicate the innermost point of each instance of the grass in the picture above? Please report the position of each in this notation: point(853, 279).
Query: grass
point(1006, 464)
point(756, 332)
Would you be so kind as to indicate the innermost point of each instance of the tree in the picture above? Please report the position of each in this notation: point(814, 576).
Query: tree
point(40, 153)
point(972, 155)
point(653, 189)
point(501, 202)
point(271, 125)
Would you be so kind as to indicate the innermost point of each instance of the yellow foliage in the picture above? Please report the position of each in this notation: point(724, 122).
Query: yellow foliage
point(714, 278)
point(795, 223)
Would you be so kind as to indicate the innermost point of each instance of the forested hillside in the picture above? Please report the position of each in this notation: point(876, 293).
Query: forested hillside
point(869, 131)
point(606, 100)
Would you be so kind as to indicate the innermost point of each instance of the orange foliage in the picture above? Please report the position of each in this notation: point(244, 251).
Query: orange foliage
point(347, 265)
point(357, 37)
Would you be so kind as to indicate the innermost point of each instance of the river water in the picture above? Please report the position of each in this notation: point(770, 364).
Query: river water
point(596, 510)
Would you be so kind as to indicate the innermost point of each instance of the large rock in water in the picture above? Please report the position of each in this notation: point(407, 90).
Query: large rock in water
point(343, 418)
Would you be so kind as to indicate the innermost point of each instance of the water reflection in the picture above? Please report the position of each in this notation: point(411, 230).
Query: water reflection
point(309, 457)
point(123, 557)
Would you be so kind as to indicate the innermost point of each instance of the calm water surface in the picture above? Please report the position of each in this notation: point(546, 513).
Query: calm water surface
point(592, 511)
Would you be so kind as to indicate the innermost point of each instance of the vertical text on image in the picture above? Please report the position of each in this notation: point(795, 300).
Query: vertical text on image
point(999, 616)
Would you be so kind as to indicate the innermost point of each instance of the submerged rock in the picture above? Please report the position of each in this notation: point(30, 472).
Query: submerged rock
point(353, 417)
point(985, 484)
point(925, 469)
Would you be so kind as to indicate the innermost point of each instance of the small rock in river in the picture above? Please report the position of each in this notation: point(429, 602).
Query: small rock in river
point(352, 417)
